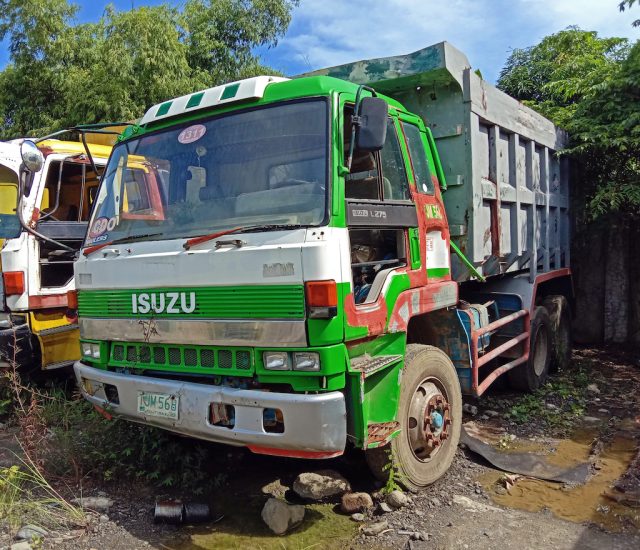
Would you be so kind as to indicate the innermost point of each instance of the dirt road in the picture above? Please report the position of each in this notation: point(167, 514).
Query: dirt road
point(588, 414)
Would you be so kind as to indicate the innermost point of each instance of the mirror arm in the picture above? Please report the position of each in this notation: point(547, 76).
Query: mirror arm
point(355, 122)
point(29, 229)
point(86, 148)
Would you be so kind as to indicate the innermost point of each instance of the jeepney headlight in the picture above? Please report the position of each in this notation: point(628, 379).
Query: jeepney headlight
point(276, 360)
point(309, 361)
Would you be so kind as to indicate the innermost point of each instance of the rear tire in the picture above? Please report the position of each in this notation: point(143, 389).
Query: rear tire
point(561, 333)
point(430, 410)
point(531, 375)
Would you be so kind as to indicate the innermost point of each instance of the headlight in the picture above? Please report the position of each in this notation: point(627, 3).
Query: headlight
point(95, 351)
point(91, 350)
point(308, 361)
point(276, 360)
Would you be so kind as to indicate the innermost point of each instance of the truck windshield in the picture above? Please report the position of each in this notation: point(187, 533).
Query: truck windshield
point(266, 166)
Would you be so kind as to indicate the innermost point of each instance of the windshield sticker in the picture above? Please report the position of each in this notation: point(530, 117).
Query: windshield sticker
point(111, 224)
point(99, 227)
point(192, 134)
point(99, 239)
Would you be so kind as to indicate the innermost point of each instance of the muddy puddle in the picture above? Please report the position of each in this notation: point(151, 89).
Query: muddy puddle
point(581, 503)
point(322, 529)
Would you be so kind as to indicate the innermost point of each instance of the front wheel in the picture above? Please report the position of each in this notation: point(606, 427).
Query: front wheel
point(430, 416)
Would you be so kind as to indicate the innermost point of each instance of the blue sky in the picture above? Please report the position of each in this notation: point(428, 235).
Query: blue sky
point(331, 32)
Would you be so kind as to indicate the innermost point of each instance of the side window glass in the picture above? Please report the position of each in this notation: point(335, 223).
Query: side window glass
point(394, 177)
point(421, 171)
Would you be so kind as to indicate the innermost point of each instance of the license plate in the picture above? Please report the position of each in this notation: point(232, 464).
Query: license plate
point(164, 405)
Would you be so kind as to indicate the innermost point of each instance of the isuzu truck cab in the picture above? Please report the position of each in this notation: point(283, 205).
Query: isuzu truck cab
point(299, 265)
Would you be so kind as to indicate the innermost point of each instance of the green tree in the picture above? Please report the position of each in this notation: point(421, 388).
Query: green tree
point(63, 73)
point(591, 87)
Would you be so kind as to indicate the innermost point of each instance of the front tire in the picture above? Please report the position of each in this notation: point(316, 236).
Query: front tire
point(531, 375)
point(430, 416)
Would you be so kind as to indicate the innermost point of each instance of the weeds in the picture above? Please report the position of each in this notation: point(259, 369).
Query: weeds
point(85, 444)
point(557, 404)
point(395, 479)
point(27, 497)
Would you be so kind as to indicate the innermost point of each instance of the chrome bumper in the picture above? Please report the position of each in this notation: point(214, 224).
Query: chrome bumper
point(314, 425)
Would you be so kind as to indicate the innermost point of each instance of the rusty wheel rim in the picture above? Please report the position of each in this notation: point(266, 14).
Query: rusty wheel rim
point(428, 420)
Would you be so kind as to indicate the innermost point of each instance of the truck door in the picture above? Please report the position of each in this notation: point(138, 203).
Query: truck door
point(69, 188)
point(426, 182)
point(380, 214)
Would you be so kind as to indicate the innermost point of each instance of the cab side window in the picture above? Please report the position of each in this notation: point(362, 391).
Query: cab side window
point(376, 176)
point(394, 175)
point(419, 162)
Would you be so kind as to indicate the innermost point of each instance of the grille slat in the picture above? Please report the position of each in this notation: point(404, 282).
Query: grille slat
point(248, 302)
point(157, 355)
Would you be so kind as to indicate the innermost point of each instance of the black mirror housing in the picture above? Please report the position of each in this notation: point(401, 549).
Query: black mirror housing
point(372, 124)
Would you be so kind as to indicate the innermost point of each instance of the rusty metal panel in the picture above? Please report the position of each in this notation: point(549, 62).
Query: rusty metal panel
point(507, 197)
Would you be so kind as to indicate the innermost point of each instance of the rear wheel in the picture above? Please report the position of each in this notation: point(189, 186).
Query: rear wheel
point(531, 375)
point(430, 416)
point(561, 335)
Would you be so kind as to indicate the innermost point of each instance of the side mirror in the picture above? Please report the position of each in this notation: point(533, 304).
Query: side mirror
point(372, 124)
point(32, 157)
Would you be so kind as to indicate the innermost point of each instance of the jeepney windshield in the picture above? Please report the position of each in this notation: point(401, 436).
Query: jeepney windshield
point(266, 166)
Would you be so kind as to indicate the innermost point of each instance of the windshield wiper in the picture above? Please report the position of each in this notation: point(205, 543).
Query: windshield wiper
point(243, 229)
point(128, 238)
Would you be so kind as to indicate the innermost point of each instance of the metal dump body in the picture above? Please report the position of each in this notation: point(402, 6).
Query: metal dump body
point(507, 197)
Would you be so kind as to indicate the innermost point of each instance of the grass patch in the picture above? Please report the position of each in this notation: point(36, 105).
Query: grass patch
point(26, 497)
point(85, 444)
point(556, 405)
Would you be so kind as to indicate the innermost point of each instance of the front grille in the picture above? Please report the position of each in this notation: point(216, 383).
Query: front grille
point(190, 357)
point(158, 356)
point(224, 359)
point(174, 356)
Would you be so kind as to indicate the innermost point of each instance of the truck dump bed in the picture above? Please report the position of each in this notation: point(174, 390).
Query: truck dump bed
point(507, 197)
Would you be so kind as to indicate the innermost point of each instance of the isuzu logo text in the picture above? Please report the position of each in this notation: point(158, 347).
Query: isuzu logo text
point(163, 302)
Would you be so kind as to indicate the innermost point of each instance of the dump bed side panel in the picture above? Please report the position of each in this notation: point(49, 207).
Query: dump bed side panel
point(507, 195)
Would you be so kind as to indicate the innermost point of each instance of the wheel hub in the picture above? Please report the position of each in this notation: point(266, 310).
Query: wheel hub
point(429, 420)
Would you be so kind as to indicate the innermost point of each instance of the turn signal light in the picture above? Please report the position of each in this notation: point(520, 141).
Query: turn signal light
point(322, 299)
point(13, 282)
point(322, 294)
point(72, 299)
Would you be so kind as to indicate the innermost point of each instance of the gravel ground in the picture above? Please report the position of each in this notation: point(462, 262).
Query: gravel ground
point(458, 511)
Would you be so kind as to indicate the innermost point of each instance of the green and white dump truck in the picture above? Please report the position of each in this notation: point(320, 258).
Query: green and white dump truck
point(269, 261)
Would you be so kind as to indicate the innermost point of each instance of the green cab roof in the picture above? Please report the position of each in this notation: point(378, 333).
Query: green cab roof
point(244, 93)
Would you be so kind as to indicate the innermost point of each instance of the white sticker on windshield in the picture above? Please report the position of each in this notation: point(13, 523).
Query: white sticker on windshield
point(99, 227)
point(192, 134)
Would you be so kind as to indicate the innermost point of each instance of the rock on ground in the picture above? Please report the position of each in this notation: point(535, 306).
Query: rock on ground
point(280, 516)
point(275, 489)
point(98, 504)
point(397, 499)
point(374, 529)
point(356, 502)
point(29, 531)
point(320, 485)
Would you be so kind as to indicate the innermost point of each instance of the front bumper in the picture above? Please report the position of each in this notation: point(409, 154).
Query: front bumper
point(16, 344)
point(314, 424)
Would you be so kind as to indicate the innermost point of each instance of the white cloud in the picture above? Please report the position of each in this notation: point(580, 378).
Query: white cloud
point(332, 32)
